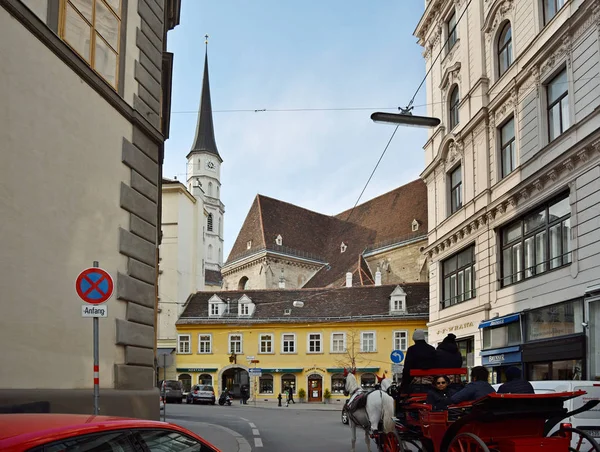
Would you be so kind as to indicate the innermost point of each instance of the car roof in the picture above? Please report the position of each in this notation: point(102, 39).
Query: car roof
point(34, 429)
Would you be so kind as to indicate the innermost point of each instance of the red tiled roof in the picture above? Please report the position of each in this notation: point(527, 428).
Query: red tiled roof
point(319, 304)
point(387, 217)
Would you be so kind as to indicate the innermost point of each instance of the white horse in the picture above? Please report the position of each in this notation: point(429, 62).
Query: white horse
point(379, 407)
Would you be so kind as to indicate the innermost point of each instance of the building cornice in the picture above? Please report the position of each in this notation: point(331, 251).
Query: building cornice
point(178, 188)
point(264, 256)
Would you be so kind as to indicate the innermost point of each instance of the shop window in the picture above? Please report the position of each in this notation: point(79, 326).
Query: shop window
point(458, 274)
point(367, 380)
point(288, 381)
point(553, 321)
point(537, 242)
point(265, 384)
point(186, 382)
point(205, 379)
point(467, 350)
point(570, 369)
point(338, 383)
point(502, 336)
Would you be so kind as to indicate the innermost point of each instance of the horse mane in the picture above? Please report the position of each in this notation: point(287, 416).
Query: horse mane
point(351, 383)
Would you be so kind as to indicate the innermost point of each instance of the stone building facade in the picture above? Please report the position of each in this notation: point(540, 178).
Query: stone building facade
point(86, 98)
point(512, 178)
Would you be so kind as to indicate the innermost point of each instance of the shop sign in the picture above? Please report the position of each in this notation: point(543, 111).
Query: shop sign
point(455, 328)
point(196, 369)
point(319, 369)
point(501, 358)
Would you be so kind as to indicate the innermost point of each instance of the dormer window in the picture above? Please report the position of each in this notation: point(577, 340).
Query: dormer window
point(398, 300)
point(343, 247)
point(216, 307)
point(287, 312)
point(249, 244)
point(245, 306)
point(279, 240)
point(415, 225)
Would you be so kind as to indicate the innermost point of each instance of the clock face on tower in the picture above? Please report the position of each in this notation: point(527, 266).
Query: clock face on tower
point(210, 165)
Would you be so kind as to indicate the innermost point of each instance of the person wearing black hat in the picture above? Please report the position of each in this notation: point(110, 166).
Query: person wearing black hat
point(447, 355)
point(514, 384)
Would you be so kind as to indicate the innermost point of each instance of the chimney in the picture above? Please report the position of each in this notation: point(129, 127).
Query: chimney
point(348, 279)
point(378, 277)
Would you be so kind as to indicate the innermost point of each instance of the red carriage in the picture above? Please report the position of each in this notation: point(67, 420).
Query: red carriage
point(496, 422)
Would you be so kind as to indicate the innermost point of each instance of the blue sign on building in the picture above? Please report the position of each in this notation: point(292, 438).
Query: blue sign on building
point(501, 356)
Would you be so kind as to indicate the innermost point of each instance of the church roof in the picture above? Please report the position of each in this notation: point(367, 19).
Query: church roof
point(343, 304)
point(213, 277)
point(205, 133)
point(386, 218)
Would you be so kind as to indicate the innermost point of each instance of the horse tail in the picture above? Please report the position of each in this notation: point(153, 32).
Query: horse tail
point(387, 413)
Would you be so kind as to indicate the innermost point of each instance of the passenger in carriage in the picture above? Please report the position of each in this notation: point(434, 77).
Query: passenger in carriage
point(514, 384)
point(421, 355)
point(447, 355)
point(439, 396)
point(478, 387)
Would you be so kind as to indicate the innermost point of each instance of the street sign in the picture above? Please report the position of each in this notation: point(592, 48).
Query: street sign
point(250, 358)
point(94, 311)
point(254, 361)
point(94, 285)
point(397, 356)
point(397, 368)
point(257, 372)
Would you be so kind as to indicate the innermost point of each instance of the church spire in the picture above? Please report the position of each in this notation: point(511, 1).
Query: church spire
point(205, 133)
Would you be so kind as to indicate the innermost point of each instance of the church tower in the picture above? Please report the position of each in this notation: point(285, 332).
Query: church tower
point(204, 178)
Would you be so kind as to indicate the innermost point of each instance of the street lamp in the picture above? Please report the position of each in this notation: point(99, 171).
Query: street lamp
point(405, 117)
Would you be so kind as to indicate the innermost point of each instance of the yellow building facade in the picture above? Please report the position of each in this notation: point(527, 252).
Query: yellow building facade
point(222, 336)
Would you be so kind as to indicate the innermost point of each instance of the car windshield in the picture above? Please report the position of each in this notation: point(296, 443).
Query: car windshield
point(172, 384)
point(205, 388)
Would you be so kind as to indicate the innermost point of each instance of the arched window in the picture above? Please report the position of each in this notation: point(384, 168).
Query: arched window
point(209, 222)
point(338, 382)
point(265, 384)
point(288, 381)
point(210, 251)
point(454, 101)
point(186, 382)
point(505, 57)
point(210, 189)
point(205, 379)
point(367, 380)
point(242, 283)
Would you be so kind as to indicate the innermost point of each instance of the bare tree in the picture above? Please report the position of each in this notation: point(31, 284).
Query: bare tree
point(353, 356)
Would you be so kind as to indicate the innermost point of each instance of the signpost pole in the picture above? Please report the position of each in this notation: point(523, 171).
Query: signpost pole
point(96, 362)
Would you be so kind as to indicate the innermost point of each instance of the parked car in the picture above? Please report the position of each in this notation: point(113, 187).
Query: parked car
point(201, 394)
point(345, 412)
point(27, 432)
point(172, 391)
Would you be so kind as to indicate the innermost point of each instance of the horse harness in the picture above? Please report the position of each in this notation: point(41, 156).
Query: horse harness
point(358, 400)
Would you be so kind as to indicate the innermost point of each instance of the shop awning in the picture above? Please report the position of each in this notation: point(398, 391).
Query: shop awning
point(340, 370)
point(280, 370)
point(197, 369)
point(500, 321)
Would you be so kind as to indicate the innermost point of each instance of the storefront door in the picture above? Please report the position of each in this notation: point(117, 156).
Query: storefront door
point(315, 388)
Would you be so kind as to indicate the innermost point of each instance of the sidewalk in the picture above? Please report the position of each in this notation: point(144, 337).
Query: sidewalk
point(315, 406)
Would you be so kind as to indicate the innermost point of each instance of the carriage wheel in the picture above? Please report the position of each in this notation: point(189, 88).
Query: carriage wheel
point(467, 442)
point(389, 443)
point(409, 445)
point(578, 437)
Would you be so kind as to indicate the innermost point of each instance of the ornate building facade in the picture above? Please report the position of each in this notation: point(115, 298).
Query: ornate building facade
point(512, 177)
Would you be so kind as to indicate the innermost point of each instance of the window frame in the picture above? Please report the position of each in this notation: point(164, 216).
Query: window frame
point(472, 292)
point(453, 108)
point(200, 342)
point(540, 230)
point(394, 339)
point(500, 48)
point(320, 342)
point(333, 341)
point(209, 222)
point(557, 8)
point(362, 341)
point(456, 188)
point(512, 143)
point(180, 342)
point(265, 378)
point(283, 341)
point(268, 342)
point(558, 102)
point(452, 34)
point(230, 343)
point(243, 309)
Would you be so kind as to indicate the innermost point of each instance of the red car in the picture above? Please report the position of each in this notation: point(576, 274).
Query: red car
point(76, 432)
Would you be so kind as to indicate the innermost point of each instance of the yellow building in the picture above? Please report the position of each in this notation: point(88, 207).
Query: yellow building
point(301, 339)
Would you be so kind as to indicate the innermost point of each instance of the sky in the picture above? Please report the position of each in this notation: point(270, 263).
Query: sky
point(286, 55)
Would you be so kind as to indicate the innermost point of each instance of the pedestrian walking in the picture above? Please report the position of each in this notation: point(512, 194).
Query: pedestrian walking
point(291, 395)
